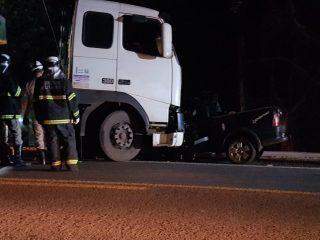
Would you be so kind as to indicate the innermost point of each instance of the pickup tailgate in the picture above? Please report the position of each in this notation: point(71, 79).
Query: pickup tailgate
point(269, 124)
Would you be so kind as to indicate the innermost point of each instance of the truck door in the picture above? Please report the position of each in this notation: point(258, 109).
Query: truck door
point(142, 71)
point(95, 46)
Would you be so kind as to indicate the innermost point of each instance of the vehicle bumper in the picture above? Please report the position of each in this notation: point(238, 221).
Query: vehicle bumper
point(174, 134)
point(168, 140)
point(270, 142)
point(278, 135)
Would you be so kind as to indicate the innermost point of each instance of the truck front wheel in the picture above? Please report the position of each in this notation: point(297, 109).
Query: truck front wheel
point(241, 150)
point(117, 136)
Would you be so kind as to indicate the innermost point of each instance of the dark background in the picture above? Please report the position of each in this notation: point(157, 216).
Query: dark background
point(253, 53)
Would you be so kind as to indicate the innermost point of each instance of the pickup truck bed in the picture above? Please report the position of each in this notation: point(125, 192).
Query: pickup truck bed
point(242, 136)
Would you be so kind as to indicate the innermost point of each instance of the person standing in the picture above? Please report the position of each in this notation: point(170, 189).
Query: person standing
point(37, 73)
point(56, 109)
point(10, 112)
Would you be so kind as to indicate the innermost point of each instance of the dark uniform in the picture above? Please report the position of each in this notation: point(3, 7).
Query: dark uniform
point(56, 109)
point(36, 73)
point(29, 113)
point(10, 114)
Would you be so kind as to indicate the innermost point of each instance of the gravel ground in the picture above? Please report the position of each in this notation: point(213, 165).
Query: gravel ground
point(39, 210)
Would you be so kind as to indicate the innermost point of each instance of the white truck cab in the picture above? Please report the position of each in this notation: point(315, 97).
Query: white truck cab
point(127, 76)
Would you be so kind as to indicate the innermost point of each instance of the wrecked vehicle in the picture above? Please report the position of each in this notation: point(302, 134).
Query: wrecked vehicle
point(241, 136)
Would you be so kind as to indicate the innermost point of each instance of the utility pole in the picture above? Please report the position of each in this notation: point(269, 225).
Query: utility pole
point(241, 71)
point(238, 10)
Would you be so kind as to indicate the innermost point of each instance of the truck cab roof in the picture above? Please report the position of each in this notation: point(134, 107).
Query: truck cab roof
point(124, 8)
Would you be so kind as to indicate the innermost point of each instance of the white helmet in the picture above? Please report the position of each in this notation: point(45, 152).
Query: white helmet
point(37, 67)
point(5, 62)
point(53, 66)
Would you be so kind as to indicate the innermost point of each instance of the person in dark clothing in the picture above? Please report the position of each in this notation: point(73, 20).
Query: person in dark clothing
point(10, 113)
point(37, 72)
point(56, 109)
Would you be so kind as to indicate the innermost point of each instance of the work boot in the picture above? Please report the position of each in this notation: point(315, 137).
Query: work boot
point(72, 168)
point(56, 166)
point(7, 161)
point(18, 161)
point(6, 158)
point(42, 157)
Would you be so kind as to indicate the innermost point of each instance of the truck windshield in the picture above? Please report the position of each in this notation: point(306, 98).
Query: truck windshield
point(142, 35)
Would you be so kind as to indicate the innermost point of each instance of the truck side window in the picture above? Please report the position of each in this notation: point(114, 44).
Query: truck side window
point(97, 30)
point(142, 35)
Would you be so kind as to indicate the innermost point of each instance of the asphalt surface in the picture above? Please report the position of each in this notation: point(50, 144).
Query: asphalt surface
point(144, 200)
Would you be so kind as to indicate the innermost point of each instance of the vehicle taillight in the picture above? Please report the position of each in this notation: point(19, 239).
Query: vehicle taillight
point(276, 120)
point(279, 119)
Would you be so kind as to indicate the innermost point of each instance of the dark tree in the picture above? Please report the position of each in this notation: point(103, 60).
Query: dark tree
point(252, 53)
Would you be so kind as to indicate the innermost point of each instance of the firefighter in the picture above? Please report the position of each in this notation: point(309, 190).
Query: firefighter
point(57, 110)
point(37, 72)
point(10, 113)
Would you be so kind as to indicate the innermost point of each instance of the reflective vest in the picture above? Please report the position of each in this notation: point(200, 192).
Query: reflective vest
point(55, 102)
point(10, 102)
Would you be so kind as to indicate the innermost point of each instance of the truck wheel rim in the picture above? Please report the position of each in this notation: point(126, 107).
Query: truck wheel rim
point(122, 136)
point(239, 152)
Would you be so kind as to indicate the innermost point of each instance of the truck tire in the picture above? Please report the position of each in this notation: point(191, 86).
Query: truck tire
point(241, 151)
point(116, 137)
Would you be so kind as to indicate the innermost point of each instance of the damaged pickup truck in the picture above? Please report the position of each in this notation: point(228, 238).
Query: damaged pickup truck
point(241, 136)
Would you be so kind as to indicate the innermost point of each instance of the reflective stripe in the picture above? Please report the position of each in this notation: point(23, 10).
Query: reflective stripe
point(72, 96)
point(50, 97)
point(56, 122)
point(10, 117)
point(76, 114)
point(7, 117)
point(18, 93)
point(72, 161)
point(56, 164)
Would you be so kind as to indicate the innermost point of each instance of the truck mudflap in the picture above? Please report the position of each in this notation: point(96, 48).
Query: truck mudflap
point(168, 139)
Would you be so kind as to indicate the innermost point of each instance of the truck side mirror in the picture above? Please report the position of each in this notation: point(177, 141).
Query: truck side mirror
point(167, 40)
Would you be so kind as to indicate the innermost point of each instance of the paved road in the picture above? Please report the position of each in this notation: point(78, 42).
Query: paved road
point(193, 174)
point(141, 200)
